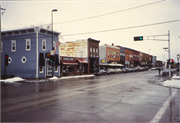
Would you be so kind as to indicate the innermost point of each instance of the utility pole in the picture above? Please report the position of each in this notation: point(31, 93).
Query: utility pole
point(169, 53)
point(0, 39)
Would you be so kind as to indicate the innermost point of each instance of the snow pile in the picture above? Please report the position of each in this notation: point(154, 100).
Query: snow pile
point(76, 76)
point(175, 82)
point(11, 80)
point(53, 78)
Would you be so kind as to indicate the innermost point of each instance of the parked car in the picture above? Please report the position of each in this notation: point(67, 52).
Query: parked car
point(166, 72)
point(110, 71)
point(134, 69)
point(125, 70)
point(118, 70)
point(100, 72)
point(153, 68)
point(138, 69)
point(145, 68)
point(130, 69)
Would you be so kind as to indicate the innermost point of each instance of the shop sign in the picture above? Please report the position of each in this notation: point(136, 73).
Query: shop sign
point(68, 59)
point(103, 61)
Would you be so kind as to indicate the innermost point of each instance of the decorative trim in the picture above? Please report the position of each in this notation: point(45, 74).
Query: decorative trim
point(23, 59)
point(9, 60)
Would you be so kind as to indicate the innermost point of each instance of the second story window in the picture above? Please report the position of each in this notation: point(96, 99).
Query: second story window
point(90, 51)
point(43, 44)
point(108, 53)
point(13, 45)
point(96, 52)
point(28, 44)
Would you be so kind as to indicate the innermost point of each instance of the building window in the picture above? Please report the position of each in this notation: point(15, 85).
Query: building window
point(23, 59)
point(41, 69)
point(43, 44)
point(1, 46)
point(96, 52)
point(108, 53)
point(28, 44)
point(56, 68)
point(90, 51)
point(13, 46)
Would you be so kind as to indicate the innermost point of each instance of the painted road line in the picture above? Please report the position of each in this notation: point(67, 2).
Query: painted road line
point(160, 113)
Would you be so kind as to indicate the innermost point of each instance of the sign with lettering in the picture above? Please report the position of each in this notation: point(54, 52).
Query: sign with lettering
point(103, 61)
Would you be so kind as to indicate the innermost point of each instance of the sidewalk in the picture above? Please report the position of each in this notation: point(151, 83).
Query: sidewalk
point(174, 82)
point(18, 79)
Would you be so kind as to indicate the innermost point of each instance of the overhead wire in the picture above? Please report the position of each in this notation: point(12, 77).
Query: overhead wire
point(102, 14)
point(122, 28)
point(109, 13)
point(132, 27)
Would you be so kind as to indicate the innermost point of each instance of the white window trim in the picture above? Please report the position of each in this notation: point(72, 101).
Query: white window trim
point(1, 46)
point(43, 40)
point(42, 70)
point(13, 41)
point(29, 44)
point(23, 58)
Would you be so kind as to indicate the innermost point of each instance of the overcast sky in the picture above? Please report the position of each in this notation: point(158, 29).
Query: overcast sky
point(112, 17)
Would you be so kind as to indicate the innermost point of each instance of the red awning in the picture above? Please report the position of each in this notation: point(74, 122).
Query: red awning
point(81, 60)
point(70, 63)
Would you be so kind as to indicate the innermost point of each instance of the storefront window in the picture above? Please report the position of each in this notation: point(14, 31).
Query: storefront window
point(80, 69)
point(68, 69)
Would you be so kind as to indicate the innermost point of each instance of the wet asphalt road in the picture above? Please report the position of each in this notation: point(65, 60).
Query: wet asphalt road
point(127, 98)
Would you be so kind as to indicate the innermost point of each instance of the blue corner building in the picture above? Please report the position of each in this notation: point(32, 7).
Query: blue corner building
point(28, 50)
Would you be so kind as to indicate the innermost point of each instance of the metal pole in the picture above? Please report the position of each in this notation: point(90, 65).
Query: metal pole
point(169, 53)
point(52, 29)
point(0, 42)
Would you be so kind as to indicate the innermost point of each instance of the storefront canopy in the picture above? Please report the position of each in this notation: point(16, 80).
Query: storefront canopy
point(81, 60)
point(70, 63)
point(112, 64)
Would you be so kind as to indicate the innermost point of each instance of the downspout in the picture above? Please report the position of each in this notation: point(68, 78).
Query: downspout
point(37, 30)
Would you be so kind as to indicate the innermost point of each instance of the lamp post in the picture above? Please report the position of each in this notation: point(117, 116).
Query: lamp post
point(54, 10)
point(148, 57)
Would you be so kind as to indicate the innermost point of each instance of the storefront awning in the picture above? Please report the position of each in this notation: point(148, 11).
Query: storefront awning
point(70, 63)
point(81, 60)
point(112, 64)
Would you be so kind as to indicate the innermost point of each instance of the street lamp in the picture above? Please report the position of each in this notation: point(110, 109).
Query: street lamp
point(54, 10)
point(148, 57)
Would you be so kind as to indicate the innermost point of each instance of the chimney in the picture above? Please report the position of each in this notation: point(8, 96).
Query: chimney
point(112, 44)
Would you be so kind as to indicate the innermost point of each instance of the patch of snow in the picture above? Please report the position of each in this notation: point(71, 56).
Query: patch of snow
point(53, 78)
point(176, 77)
point(172, 83)
point(11, 80)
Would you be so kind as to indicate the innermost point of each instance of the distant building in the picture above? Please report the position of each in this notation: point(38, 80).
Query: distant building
point(79, 57)
point(154, 61)
point(27, 50)
point(109, 56)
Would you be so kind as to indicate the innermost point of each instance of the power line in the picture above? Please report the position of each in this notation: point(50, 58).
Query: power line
point(109, 13)
point(102, 14)
point(122, 28)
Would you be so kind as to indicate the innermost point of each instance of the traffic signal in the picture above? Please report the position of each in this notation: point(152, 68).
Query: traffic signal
point(6, 60)
point(51, 58)
point(172, 61)
point(138, 38)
